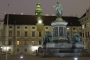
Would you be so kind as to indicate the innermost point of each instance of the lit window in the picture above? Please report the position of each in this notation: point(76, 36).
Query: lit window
point(18, 33)
point(25, 42)
point(10, 33)
point(33, 33)
point(18, 42)
point(33, 42)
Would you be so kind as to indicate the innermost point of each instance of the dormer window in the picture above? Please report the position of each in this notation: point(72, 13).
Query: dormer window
point(26, 27)
point(10, 27)
point(33, 27)
point(18, 27)
point(46, 27)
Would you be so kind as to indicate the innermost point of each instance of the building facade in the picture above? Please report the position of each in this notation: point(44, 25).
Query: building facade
point(24, 34)
point(23, 37)
point(85, 21)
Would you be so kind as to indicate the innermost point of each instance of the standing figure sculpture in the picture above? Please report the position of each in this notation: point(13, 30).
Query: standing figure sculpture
point(68, 38)
point(58, 9)
point(47, 38)
point(76, 37)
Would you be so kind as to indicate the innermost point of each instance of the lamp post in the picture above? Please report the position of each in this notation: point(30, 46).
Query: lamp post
point(7, 33)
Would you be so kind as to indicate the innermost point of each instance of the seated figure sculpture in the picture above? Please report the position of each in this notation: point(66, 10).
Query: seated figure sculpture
point(76, 36)
point(47, 38)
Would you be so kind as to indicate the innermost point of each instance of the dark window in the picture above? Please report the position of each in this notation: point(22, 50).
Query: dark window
point(68, 33)
point(9, 43)
point(83, 34)
point(10, 27)
point(85, 25)
point(40, 34)
point(88, 33)
point(33, 33)
point(25, 50)
point(18, 27)
point(73, 28)
point(25, 27)
point(33, 27)
point(10, 33)
point(25, 33)
point(18, 33)
point(46, 27)
point(80, 34)
point(39, 42)
point(9, 50)
point(17, 50)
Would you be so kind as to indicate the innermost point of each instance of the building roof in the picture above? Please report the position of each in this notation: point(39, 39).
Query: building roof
point(83, 15)
point(32, 20)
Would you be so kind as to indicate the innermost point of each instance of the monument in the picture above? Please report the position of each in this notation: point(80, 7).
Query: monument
point(58, 42)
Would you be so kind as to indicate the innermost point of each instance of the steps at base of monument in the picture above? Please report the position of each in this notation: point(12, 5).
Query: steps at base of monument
point(71, 54)
point(67, 50)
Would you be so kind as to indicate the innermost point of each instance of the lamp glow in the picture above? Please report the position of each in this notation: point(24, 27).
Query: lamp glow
point(40, 21)
point(21, 57)
point(67, 28)
point(33, 48)
point(1, 47)
point(75, 58)
point(6, 48)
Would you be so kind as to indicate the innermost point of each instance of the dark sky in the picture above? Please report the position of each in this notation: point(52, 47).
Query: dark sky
point(70, 7)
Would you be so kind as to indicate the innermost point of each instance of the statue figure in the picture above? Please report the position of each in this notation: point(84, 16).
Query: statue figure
point(76, 37)
point(68, 38)
point(58, 9)
point(47, 38)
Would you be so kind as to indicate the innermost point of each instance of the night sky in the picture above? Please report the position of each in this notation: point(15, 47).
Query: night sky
point(70, 7)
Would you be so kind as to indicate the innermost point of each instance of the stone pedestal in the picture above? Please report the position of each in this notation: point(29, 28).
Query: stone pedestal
point(50, 45)
point(59, 29)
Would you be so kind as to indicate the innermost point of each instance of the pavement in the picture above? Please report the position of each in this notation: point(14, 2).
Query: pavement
point(34, 57)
